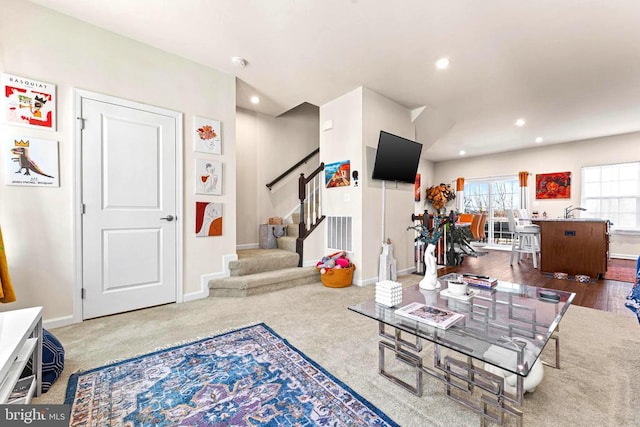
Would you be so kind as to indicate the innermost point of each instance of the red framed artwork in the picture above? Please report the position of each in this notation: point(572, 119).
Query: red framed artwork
point(553, 185)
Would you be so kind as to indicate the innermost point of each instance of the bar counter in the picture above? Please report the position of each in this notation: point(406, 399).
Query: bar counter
point(574, 246)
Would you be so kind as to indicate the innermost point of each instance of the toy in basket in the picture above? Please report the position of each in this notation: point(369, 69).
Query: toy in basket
point(336, 271)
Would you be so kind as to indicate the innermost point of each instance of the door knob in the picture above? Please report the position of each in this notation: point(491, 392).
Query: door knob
point(168, 218)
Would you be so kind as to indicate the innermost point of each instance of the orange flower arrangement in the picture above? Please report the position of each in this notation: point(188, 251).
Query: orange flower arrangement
point(439, 195)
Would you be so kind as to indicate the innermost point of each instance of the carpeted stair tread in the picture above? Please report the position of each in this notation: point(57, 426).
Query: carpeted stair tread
point(287, 243)
point(253, 261)
point(259, 283)
point(293, 230)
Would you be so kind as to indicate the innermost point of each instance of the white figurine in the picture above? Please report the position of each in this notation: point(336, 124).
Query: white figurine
point(387, 263)
point(430, 280)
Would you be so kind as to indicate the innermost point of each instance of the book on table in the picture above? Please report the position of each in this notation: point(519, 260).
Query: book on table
point(431, 315)
point(479, 280)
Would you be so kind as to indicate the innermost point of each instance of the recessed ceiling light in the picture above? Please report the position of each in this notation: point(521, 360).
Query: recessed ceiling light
point(520, 122)
point(255, 99)
point(462, 152)
point(442, 63)
point(539, 139)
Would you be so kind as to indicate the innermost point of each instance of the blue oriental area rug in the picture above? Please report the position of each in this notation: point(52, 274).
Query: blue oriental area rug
point(247, 377)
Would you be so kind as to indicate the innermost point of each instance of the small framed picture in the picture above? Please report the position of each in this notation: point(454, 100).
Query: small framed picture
point(32, 162)
point(28, 102)
point(208, 176)
point(208, 219)
point(337, 174)
point(207, 136)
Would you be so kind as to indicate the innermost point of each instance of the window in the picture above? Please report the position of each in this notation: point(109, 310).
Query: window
point(613, 192)
point(493, 195)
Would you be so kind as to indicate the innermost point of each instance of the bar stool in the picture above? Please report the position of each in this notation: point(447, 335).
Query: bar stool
point(526, 238)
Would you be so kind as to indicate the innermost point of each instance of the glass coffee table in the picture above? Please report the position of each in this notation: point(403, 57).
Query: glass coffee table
point(501, 336)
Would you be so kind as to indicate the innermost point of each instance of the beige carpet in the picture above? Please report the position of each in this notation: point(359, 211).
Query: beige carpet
point(597, 385)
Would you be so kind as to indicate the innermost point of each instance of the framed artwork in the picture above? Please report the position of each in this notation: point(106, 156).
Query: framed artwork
point(208, 219)
point(337, 174)
point(208, 176)
point(553, 185)
point(28, 102)
point(32, 162)
point(207, 136)
point(416, 188)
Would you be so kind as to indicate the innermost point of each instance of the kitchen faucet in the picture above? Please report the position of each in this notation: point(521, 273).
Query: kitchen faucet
point(570, 209)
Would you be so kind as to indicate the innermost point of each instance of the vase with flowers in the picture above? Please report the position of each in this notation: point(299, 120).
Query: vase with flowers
point(430, 236)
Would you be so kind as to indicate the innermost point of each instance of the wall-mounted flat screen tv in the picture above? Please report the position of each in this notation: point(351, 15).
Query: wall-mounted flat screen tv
point(397, 158)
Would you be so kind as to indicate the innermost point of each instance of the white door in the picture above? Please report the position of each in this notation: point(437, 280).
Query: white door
point(129, 229)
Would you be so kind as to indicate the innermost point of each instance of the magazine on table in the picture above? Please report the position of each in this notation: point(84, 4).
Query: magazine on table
point(434, 316)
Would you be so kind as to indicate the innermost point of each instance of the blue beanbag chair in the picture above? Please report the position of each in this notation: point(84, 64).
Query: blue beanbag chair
point(52, 360)
point(633, 299)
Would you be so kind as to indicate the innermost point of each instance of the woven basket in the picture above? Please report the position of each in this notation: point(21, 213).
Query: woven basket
point(338, 277)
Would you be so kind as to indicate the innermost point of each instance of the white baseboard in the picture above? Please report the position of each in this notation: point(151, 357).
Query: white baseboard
point(406, 271)
point(202, 293)
point(57, 322)
point(623, 256)
point(373, 280)
point(366, 282)
point(226, 259)
point(204, 281)
point(493, 247)
point(247, 246)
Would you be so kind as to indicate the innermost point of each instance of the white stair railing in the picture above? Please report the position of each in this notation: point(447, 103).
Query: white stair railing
point(309, 189)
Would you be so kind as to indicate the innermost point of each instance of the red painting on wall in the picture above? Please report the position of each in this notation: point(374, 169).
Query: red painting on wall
point(553, 185)
point(208, 219)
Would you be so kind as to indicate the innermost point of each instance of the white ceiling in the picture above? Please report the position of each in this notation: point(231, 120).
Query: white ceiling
point(571, 68)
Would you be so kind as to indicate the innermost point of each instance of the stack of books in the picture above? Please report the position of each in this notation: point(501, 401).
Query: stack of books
point(479, 280)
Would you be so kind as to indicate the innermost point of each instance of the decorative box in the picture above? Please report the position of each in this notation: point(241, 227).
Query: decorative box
point(388, 293)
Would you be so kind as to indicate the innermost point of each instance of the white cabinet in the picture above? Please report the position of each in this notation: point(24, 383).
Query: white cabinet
point(20, 340)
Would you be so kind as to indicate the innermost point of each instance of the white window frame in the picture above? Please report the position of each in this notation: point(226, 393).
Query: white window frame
point(490, 202)
point(605, 194)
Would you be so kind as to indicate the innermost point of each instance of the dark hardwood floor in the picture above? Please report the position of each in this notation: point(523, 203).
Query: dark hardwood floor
point(606, 295)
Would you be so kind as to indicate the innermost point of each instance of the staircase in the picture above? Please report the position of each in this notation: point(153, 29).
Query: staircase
point(259, 271)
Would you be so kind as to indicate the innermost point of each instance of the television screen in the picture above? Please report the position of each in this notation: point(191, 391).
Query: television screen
point(397, 159)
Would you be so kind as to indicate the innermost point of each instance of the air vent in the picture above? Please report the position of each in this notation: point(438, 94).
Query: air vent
point(339, 233)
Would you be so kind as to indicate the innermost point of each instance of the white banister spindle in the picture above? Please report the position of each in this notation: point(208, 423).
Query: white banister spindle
point(313, 202)
point(319, 198)
point(314, 198)
point(308, 207)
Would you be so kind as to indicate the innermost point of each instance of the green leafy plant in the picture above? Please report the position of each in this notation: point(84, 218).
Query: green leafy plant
point(433, 234)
